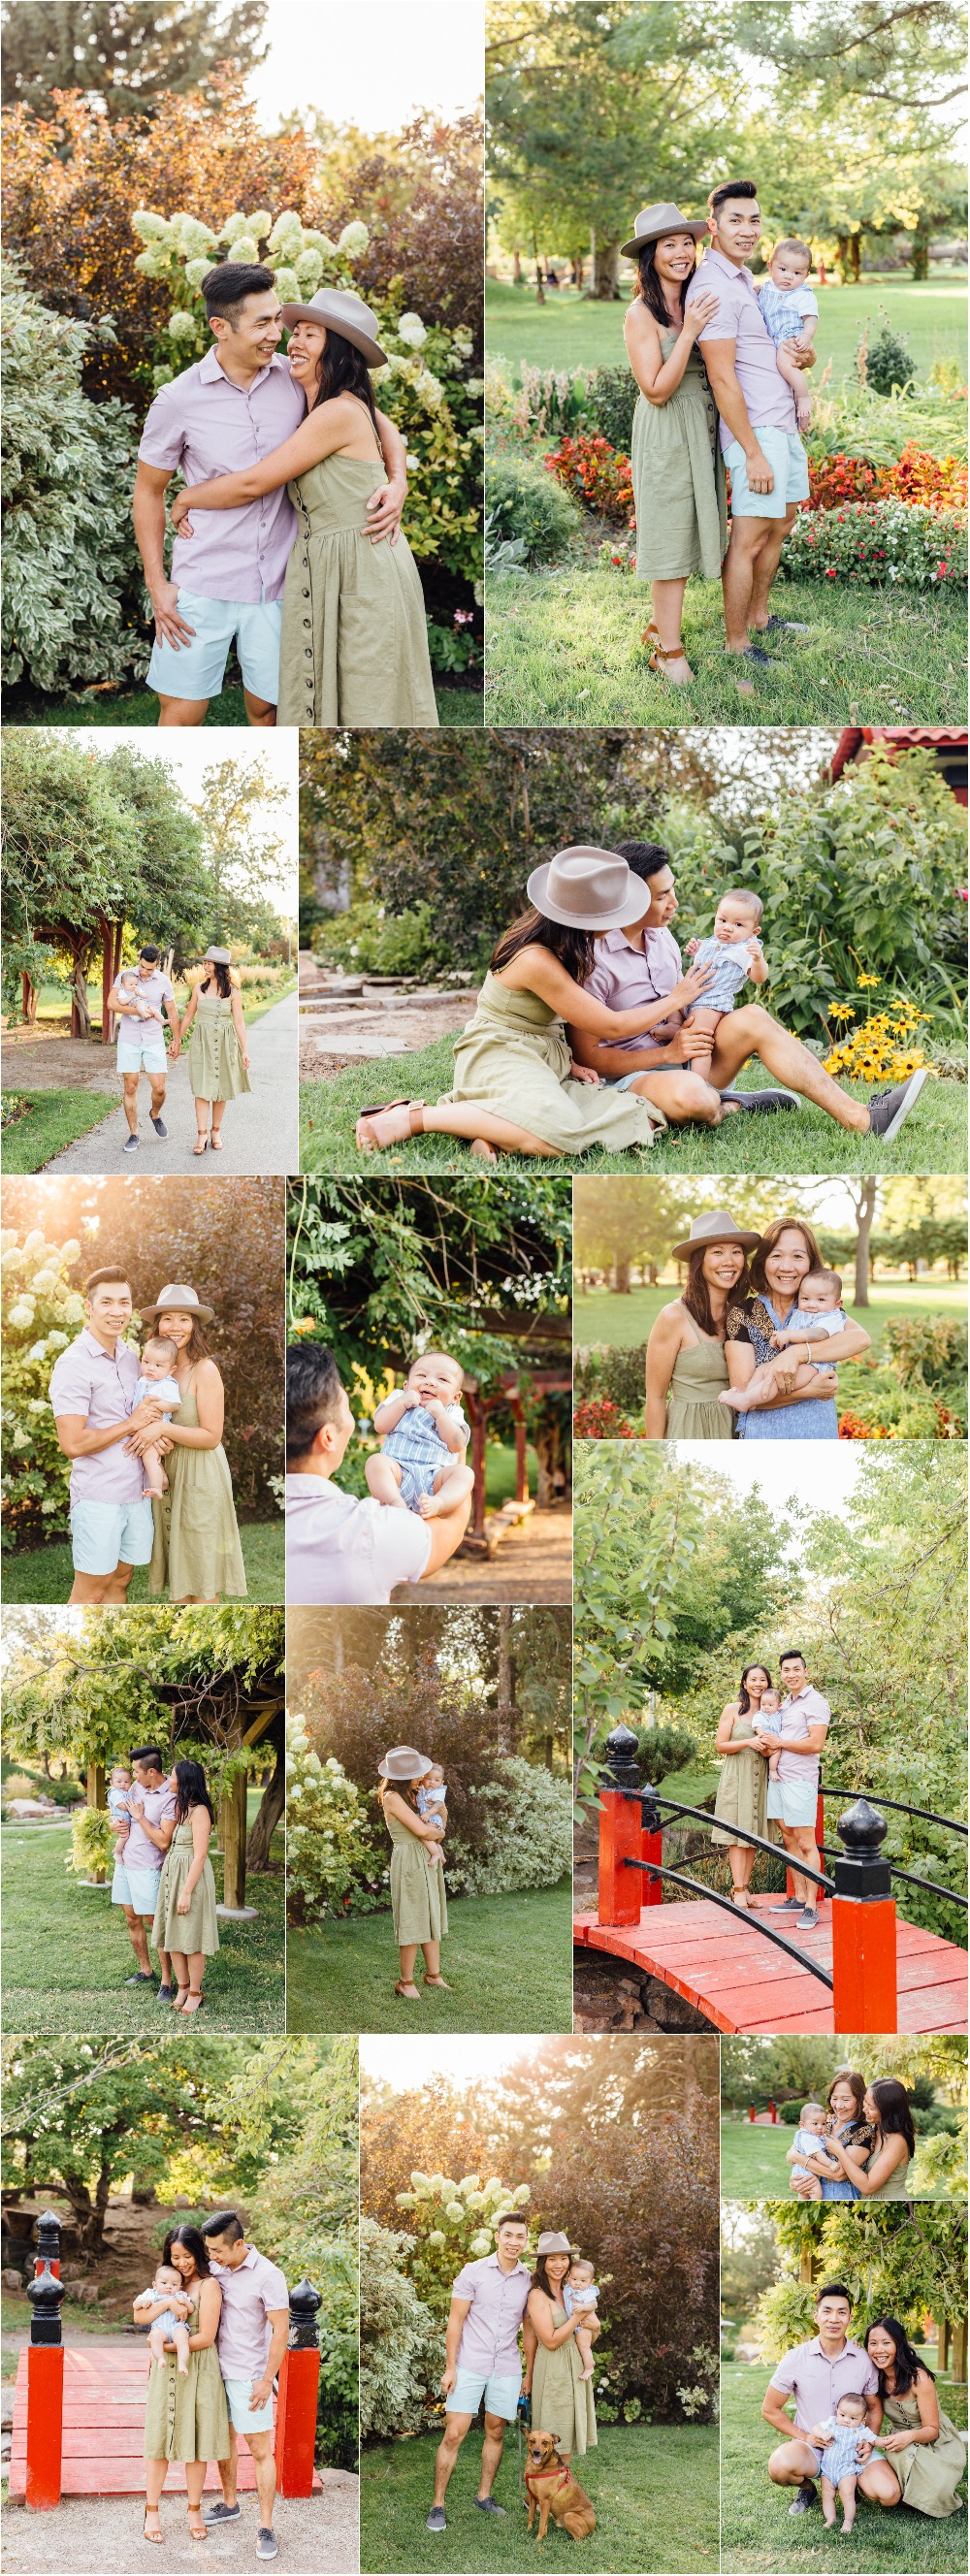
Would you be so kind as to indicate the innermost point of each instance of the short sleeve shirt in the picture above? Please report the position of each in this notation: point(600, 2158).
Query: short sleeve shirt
point(153, 989)
point(339, 1548)
point(817, 2382)
point(159, 1804)
point(490, 2334)
point(210, 426)
point(794, 1718)
point(100, 1385)
point(768, 400)
point(244, 2332)
point(626, 978)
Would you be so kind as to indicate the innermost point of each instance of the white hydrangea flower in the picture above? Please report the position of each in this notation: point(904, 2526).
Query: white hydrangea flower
point(34, 1242)
point(45, 1282)
point(313, 1762)
point(181, 326)
point(19, 1438)
point(288, 286)
point(454, 2209)
point(353, 240)
point(196, 270)
point(463, 342)
point(260, 222)
point(234, 225)
point(57, 1341)
point(309, 270)
point(321, 242)
point(411, 329)
point(20, 1314)
point(436, 2235)
point(38, 1407)
point(149, 227)
point(74, 1307)
point(244, 248)
point(37, 1351)
point(481, 2244)
point(295, 1790)
point(287, 232)
point(70, 1251)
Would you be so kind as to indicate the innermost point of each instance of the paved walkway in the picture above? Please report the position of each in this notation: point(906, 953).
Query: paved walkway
point(532, 1563)
point(261, 1132)
point(95, 2537)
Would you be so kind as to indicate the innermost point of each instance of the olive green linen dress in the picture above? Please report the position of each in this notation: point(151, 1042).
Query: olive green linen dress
point(354, 641)
point(742, 1790)
point(514, 1059)
point(678, 478)
point(196, 1546)
point(897, 2187)
point(216, 1068)
point(697, 1378)
point(930, 2472)
point(418, 1899)
point(562, 2400)
point(187, 2418)
point(198, 1929)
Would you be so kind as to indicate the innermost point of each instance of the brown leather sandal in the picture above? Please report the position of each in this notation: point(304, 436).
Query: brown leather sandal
point(663, 653)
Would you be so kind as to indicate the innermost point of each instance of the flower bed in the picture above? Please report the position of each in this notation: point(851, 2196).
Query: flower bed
point(872, 543)
point(597, 473)
point(939, 482)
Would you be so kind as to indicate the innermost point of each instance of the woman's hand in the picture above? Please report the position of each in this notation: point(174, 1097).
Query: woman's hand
point(897, 2442)
point(184, 1905)
point(583, 1072)
point(699, 313)
point(245, 1058)
point(806, 2187)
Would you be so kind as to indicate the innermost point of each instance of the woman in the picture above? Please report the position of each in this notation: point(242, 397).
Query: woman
point(196, 1551)
point(678, 469)
point(218, 1054)
point(686, 1368)
point(742, 1787)
point(828, 2177)
point(925, 2451)
point(185, 1911)
point(880, 2174)
point(418, 1900)
point(516, 1086)
point(785, 1255)
point(354, 641)
point(186, 2418)
point(562, 2400)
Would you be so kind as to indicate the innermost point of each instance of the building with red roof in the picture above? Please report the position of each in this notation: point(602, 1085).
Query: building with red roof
point(857, 742)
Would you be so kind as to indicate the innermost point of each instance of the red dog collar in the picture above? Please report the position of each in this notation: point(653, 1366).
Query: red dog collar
point(564, 2481)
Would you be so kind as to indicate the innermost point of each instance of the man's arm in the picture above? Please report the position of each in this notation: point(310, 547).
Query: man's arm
point(775, 2412)
point(171, 1014)
point(810, 1745)
point(148, 511)
point(457, 2313)
point(447, 1532)
point(75, 1440)
point(262, 2389)
point(384, 507)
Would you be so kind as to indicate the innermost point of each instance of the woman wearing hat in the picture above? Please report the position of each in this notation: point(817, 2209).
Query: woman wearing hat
point(218, 1054)
point(677, 467)
point(418, 1900)
point(196, 1551)
point(687, 1368)
point(562, 2400)
point(354, 644)
point(516, 1086)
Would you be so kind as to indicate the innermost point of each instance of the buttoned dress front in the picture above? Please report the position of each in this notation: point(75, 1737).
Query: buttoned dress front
point(678, 477)
point(354, 646)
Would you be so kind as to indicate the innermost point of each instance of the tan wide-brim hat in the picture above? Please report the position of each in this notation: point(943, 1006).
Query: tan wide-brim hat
point(552, 2241)
point(654, 221)
point(588, 889)
point(217, 957)
point(715, 1227)
point(403, 1763)
point(177, 1300)
point(342, 312)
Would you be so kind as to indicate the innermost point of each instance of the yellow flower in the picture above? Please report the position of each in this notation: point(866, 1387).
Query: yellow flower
point(863, 980)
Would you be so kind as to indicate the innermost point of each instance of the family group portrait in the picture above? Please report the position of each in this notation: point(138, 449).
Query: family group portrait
point(844, 2395)
point(732, 951)
point(428, 1391)
point(149, 901)
point(767, 1657)
point(725, 330)
point(810, 1310)
point(429, 1820)
point(539, 2291)
point(243, 346)
point(141, 1819)
point(142, 1413)
point(843, 2119)
point(183, 2213)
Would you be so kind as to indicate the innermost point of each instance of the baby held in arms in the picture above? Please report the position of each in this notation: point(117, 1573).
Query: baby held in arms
point(424, 1435)
point(432, 1806)
point(170, 2328)
point(817, 1317)
point(736, 957)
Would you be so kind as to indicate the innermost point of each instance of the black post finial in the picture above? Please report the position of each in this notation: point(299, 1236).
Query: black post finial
point(621, 1770)
point(304, 2330)
point(45, 2291)
point(861, 1871)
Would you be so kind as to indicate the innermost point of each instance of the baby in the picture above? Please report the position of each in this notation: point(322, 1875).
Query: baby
point(809, 2138)
point(129, 986)
point(156, 1380)
point(579, 2294)
point(847, 2444)
point(424, 1436)
point(170, 2328)
point(119, 1784)
point(769, 1706)
point(432, 1800)
point(817, 1317)
point(736, 955)
point(789, 310)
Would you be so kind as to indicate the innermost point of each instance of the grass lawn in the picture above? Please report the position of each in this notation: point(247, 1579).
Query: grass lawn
point(654, 2489)
point(508, 1960)
point(932, 1140)
point(46, 1573)
point(53, 1120)
point(140, 707)
point(753, 2159)
point(756, 2533)
point(68, 1953)
point(568, 332)
point(620, 1323)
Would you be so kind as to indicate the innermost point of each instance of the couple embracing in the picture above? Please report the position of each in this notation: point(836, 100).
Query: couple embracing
point(217, 2314)
point(493, 2302)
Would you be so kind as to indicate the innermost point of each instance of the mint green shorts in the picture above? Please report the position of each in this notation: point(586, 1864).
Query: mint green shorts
point(789, 465)
point(197, 670)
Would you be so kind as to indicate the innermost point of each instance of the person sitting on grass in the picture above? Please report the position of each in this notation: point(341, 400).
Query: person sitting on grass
point(339, 1546)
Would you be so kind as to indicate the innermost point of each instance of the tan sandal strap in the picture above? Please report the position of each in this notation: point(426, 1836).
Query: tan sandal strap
point(417, 1117)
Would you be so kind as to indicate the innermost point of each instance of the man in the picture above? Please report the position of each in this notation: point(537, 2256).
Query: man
point(92, 1393)
point(251, 2341)
point(151, 1807)
point(141, 1043)
point(482, 2359)
point(762, 448)
point(639, 967)
point(816, 2375)
point(226, 585)
point(339, 1548)
point(798, 1735)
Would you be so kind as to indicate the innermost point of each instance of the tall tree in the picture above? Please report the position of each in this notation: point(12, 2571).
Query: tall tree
point(128, 53)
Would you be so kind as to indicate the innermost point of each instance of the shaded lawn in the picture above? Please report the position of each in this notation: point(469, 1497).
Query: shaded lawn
point(654, 2489)
point(53, 1120)
point(568, 332)
point(140, 707)
point(47, 1573)
point(621, 1323)
point(753, 2159)
point(565, 646)
point(759, 2539)
point(68, 1953)
point(508, 1960)
point(933, 1138)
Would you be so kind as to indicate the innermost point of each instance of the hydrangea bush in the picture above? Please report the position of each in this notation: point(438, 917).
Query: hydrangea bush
point(450, 2223)
point(40, 1313)
point(333, 1865)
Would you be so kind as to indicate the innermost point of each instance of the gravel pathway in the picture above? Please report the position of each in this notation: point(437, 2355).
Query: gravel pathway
point(101, 2537)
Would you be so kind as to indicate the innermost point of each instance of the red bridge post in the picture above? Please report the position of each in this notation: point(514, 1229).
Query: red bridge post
point(45, 2371)
point(296, 2402)
point(621, 1837)
point(863, 1926)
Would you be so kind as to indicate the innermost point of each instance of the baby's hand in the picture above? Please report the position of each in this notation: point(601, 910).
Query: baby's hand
point(691, 947)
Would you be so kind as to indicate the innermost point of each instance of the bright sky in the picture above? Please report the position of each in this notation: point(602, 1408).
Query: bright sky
point(371, 66)
point(406, 2062)
point(187, 755)
point(817, 1473)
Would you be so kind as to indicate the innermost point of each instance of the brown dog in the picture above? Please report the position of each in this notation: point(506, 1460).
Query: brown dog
point(551, 2486)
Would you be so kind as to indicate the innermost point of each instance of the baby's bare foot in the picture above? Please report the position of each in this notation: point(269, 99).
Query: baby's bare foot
point(588, 2372)
point(429, 1506)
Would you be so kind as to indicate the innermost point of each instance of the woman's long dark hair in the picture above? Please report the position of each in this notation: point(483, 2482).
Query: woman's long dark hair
point(908, 2363)
point(649, 287)
point(222, 977)
point(403, 1789)
point(192, 1790)
point(342, 369)
point(541, 2281)
point(895, 2116)
point(575, 949)
point(194, 2244)
point(744, 1702)
point(697, 1296)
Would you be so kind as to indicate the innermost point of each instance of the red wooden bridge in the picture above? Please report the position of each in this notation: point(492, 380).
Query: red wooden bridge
point(103, 2427)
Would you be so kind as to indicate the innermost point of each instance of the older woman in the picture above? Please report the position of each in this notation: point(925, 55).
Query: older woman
point(879, 2173)
point(925, 2451)
point(677, 466)
point(186, 2415)
point(196, 1550)
point(686, 1365)
point(562, 2400)
point(185, 1910)
point(742, 1788)
point(218, 1052)
point(418, 1899)
point(786, 1253)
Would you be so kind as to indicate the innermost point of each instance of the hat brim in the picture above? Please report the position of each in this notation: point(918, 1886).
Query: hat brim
point(626, 911)
point(369, 349)
point(706, 1242)
point(202, 1314)
point(417, 1774)
point(631, 249)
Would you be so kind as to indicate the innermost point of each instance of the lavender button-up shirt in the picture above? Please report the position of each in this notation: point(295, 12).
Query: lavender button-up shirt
point(794, 1718)
point(490, 2334)
point(209, 426)
point(627, 978)
point(159, 1804)
point(244, 2335)
point(342, 1548)
point(101, 1385)
point(769, 401)
point(817, 2383)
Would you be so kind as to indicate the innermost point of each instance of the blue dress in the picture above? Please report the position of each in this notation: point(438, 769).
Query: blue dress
point(813, 1418)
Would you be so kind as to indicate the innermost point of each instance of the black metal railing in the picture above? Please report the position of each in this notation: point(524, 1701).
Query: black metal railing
point(901, 1808)
point(657, 1869)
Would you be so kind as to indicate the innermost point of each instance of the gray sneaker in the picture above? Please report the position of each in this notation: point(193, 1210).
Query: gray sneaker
point(791, 1905)
point(437, 2519)
point(807, 1921)
point(130, 1145)
point(487, 2504)
point(888, 1109)
point(222, 2512)
point(267, 2545)
point(161, 1130)
point(805, 2498)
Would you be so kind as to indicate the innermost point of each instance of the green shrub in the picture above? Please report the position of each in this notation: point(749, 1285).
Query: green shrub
point(402, 2350)
point(869, 544)
point(931, 1351)
point(790, 2113)
point(524, 501)
point(662, 1749)
point(93, 1832)
point(529, 1833)
point(620, 1375)
point(333, 1866)
point(611, 402)
point(885, 361)
point(371, 940)
point(41, 1313)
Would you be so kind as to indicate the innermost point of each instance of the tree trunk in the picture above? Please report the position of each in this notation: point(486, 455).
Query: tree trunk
point(232, 1827)
point(842, 258)
point(855, 256)
point(553, 1458)
point(267, 1817)
point(81, 1014)
point(920, 254)
point(621, 1275)
point(506, 1685)
point(29, 991)
point(865, 1207)
point(605, 282)
point(516, 268)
